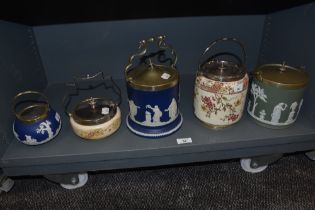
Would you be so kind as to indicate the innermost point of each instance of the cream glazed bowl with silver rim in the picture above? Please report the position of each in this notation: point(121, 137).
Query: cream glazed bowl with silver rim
point(95, 118)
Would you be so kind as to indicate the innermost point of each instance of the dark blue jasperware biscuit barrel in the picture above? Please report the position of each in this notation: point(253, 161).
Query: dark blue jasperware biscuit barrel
point(153, 94)
point(36, 122)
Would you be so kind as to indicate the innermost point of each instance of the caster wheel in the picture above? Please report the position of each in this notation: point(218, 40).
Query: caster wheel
point(310, 155)
point(6, 184)
point(83, 178)
point(246, 166)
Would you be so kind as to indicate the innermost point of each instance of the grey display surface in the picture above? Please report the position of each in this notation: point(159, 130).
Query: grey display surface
point(76, 49)
point(157, 160)
point(124, 146)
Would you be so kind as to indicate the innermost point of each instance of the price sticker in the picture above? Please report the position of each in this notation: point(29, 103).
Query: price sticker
point(184, 140)
point(238, 87)
point(165, 76)
point(105, 110)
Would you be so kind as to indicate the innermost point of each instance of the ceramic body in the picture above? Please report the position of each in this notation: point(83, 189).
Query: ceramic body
point(272, 106)
point(154, 114)
point(38, 132)
point(219, 104)
point(94, 132)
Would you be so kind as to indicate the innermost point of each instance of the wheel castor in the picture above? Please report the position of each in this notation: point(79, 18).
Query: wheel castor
point(6, 184)
point(311, 155)
point(83, 178)
point(246, 166)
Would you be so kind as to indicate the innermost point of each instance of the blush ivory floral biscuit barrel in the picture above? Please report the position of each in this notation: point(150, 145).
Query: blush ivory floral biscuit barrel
point(221, 88)
point(36, 122)
point(95, 117)
point(276, 95)
point(153, 93)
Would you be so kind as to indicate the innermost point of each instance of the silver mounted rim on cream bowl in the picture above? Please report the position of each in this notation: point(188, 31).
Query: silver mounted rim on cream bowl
point(95, 132)
point(95, 117)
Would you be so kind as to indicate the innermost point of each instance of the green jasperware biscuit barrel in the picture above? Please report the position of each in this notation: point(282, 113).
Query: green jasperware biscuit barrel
point(276, 95)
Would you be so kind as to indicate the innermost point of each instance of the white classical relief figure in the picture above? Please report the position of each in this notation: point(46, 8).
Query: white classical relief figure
point(153, 119)
point(45, 127)
point(133, 109)
point(262, 114)
point(157, 113)
point(148, 118)
point(257, 92)
point(172, 109)
point(276, 114)
point(30, 140)
point(292, 112)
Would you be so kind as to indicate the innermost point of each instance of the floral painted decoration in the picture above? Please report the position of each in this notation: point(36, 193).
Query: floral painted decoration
point(219, 103)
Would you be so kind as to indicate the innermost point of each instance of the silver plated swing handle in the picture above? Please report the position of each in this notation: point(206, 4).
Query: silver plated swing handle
point(160, 40)
point(215, 42)
point(88, 77)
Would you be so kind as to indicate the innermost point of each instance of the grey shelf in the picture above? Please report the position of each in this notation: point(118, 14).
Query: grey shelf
point(68, 152)
point(45, 57)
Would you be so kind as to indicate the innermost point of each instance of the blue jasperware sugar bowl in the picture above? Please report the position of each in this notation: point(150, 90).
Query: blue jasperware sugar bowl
point(36, 122)
point(153, 93)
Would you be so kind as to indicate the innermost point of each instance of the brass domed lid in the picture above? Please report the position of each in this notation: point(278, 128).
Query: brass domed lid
point(282, 75)
point(152, 77)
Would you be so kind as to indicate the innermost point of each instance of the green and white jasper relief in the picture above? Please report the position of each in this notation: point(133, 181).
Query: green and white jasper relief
point(274, 105)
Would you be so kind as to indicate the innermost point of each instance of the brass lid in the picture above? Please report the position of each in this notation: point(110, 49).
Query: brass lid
point(30, 110)
point(281, 75)
point(94, 111)
point(152, 77)
point(224, 71)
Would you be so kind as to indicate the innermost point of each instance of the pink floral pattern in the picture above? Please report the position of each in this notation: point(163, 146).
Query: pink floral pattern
point(221, 87)
point(218, 102)
point(232, 117)
point(208, 105)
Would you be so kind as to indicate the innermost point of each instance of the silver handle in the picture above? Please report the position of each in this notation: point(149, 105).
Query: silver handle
point(160, 40)
point(28, 92)
point(223, 40)
point(87, 77)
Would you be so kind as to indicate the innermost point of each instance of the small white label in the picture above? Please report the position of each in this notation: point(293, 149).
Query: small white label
point(165, 76)
point(184, 140)
point(105, 110)
point(238, 87)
